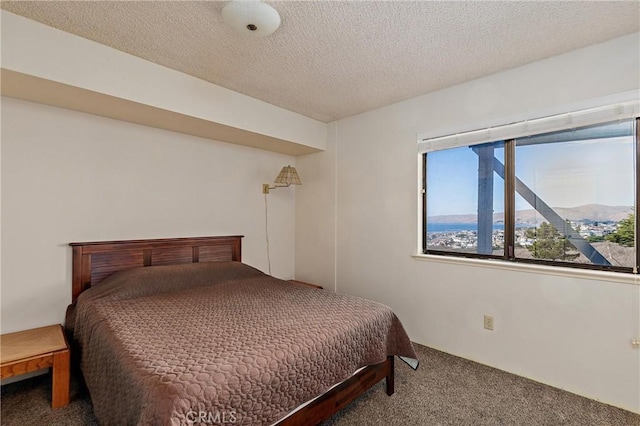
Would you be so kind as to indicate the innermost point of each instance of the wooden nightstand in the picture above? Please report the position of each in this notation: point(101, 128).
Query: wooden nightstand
point(31, 350)
point(303, 283)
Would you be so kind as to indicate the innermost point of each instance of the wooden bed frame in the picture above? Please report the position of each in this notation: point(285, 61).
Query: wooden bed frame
point(94, 261)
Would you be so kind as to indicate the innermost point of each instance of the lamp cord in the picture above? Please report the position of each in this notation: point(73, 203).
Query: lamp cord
point(266, 229)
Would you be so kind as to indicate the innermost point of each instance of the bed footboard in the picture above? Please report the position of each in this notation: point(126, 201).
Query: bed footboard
point(340, 396)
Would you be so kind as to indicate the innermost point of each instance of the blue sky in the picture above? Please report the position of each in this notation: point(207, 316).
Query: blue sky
point(562, 174)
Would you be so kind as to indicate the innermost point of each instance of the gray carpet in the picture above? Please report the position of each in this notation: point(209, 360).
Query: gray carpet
point(445, 390)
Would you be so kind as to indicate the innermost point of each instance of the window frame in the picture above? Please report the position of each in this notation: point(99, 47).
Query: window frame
point(510, 213)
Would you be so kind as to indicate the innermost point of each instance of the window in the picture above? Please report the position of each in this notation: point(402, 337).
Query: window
point(465, 200)
point(565, 197)
point(575, 193)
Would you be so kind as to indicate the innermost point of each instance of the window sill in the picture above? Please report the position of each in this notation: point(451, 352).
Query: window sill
point(632, 279)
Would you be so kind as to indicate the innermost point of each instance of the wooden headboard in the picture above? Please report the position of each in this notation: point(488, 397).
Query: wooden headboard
point(93, 262)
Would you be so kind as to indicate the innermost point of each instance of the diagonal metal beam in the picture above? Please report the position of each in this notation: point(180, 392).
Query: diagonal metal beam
point(554, 218)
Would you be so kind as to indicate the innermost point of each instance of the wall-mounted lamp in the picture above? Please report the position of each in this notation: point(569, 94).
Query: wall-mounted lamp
point(287, 176)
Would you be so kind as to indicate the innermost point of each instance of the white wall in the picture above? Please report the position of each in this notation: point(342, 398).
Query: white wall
point(568, 331)
point(316, 209)
point(69, 176)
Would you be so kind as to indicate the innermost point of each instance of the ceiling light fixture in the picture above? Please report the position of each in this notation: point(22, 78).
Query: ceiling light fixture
point(251, 17)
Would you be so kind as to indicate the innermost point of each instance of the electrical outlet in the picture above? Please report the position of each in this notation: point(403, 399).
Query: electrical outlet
point(488, 322)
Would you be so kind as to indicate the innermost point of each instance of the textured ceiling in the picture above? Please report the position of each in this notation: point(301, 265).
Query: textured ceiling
point(333, 59)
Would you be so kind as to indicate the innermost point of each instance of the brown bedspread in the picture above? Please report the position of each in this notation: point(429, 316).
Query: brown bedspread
point(160, 344)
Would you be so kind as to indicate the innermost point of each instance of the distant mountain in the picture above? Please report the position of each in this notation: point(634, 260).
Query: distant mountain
point(593, 212)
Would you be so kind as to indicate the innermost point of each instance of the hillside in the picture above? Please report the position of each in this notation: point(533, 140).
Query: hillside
point(593, 212)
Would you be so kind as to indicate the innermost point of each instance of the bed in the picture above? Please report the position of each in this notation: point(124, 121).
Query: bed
point(202, 338)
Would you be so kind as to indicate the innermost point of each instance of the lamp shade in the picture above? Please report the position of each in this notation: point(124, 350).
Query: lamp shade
point(288, 176)
point(252, 18)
